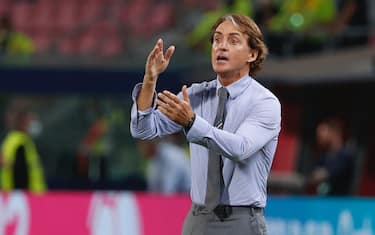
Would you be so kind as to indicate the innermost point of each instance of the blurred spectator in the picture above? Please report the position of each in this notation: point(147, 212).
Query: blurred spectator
point(351, 26)
point(334, 171)
point(302, 16)
point(97, 145)
point(15, 47)
point(21, 166)
point(298, 27)
point(93, 151)
point(168, 169)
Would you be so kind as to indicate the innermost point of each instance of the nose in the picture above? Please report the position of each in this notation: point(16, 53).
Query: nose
point(223, 45)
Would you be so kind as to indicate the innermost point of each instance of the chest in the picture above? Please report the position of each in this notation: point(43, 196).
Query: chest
point(236, 110)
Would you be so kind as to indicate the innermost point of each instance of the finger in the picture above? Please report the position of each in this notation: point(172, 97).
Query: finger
point(153, 52)
point(185, 94)
point(160, 44)
point(169, 52)
point(162, 104)
point(163, 110)
point(167, 100)
point(172, 96)
point(156, 49)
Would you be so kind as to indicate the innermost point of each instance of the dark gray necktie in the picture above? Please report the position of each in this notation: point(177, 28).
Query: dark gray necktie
point(215, 181)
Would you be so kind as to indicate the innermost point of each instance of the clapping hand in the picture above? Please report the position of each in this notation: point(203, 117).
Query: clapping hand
point(176, 109)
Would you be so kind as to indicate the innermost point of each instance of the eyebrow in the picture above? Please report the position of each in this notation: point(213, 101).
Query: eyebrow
point(231, 34)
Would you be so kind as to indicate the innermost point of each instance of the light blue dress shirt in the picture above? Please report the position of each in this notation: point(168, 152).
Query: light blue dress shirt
point(247, 141)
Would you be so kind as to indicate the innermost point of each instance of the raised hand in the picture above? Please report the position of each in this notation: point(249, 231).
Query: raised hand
point(157, 61)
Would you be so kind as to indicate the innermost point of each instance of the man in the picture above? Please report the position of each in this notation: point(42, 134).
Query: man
point(15, 47)
point(21, 165)
point(334, 172)
point(230, 159)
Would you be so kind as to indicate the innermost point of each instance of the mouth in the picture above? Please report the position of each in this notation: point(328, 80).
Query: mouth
point(222, 58)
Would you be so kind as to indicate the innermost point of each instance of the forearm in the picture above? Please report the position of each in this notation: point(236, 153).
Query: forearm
point(151, 124)
point(146, 94)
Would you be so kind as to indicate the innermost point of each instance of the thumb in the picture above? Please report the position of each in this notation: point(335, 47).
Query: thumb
point(185, 94)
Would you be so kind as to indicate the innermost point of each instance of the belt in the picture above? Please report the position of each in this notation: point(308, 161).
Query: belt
point(224, 211)
point(227, 210)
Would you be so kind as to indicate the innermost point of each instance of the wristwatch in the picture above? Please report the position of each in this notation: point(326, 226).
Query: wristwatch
point(190, 124)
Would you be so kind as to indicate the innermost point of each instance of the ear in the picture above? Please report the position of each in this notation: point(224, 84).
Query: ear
point(253, 55)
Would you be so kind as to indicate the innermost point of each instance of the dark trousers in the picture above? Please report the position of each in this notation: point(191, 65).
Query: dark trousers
point(225, 220)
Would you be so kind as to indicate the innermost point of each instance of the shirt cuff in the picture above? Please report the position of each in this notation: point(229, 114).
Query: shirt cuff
point(142, 113)
point(136, 90)
point(198, 130)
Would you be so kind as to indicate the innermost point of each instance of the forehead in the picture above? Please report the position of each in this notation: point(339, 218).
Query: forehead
point(229, 27)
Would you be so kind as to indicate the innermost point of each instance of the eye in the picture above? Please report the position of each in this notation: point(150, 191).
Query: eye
point(234, 41)
point(216, 39)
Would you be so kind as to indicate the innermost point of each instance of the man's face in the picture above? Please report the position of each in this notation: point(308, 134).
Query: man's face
point(323, 135)
point(230, 54)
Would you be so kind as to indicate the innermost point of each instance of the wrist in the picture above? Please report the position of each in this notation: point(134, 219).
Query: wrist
point(149, 78)
point(190, 123)
point(149, 85)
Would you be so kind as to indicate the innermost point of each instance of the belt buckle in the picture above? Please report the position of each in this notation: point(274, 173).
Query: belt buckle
point(223, 211)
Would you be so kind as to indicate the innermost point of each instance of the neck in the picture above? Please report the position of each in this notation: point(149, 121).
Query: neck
point(228, 78)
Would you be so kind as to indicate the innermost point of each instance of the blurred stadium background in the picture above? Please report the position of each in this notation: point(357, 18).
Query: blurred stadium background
point(76, 62)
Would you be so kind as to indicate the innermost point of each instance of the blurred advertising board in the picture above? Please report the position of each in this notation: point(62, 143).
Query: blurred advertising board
point(320, 216)
point(94, 213)
point(120, 213)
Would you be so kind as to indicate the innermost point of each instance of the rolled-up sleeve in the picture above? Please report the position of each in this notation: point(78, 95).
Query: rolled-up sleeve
point(150, 123)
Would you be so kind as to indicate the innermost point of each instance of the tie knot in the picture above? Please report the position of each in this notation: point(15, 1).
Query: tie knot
point(223, 92)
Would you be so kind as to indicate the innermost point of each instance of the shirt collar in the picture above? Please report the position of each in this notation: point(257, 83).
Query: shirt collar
point(237, 88)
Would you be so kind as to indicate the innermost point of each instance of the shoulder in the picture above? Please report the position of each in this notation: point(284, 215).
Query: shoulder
point(261, 90)
point(264, 104)
point(198, 91)
point(203, 86)
point(262, 94)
